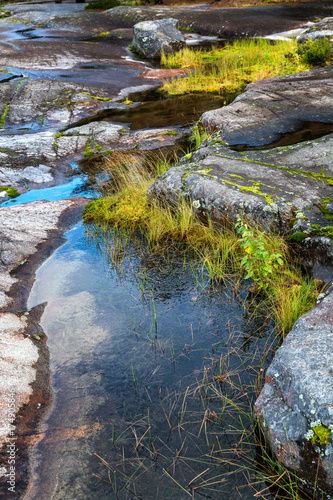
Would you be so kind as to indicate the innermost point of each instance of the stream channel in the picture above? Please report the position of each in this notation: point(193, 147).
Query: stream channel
point(135, 340)
point(134, 343)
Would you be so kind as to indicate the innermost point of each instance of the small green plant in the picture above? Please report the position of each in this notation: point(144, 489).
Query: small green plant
point(258, 262)
point(5, 13)
point(136, 51)
point(127, 101)
point(135, 379)
point(198, 135)
point(315, 52)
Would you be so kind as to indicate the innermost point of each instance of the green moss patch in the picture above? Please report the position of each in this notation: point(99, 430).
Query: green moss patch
point(12, 192)
point(298, 237)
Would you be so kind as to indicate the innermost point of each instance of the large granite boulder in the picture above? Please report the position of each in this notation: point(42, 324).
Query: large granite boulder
point(296, 404)
point(282, 189)
point(272, 107)
point(152, 38)
point(319, 30)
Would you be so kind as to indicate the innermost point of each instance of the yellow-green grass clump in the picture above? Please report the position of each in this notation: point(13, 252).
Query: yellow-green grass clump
point(286, 293)
point(230, 68)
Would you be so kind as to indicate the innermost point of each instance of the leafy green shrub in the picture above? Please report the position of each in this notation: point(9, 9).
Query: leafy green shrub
point(258, 262)
point(315, 52)
point(102, 5)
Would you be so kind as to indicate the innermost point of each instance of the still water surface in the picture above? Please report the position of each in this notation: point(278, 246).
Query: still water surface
point(130, 359)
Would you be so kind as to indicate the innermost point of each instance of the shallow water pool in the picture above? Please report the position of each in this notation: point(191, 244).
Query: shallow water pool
point(144, 357)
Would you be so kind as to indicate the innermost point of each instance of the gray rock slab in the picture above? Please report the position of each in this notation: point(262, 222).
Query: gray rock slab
point(40, 174)
point(298, 394)
point(48, 146)
point(269, 187)
point(322, 29)
point(275, 106)
point(151, 139)
point(230, 23)
point(154, 38)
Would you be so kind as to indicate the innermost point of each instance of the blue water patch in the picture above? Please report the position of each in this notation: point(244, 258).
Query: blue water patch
point(76, 187)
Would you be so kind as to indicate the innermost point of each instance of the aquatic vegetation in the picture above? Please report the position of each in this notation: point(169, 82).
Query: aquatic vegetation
point(264, 258)
point(219, 399)
point(232, 67)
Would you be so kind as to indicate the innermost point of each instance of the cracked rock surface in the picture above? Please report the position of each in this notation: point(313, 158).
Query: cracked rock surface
point(298, 396)
point(152, 38)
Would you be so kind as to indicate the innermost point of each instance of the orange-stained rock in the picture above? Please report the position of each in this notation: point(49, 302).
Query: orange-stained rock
point(161, 74)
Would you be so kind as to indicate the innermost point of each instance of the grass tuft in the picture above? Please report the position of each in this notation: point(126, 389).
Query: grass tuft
point(231, 68)
point(278, 283)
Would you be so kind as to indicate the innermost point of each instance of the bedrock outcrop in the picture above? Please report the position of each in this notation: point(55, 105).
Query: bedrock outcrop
point(296, 403)
point(272, 107)
point(322, 29)
point(283, 189)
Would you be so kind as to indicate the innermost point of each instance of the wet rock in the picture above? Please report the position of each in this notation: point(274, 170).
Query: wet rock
point(152, 38)
point(297, 398)
point(275, 106)
point(271, 188)
point(322, 29)
point(229, 23)
point(92, 137)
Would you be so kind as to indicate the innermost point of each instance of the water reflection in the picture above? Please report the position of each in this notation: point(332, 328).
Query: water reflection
point(133, 358)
